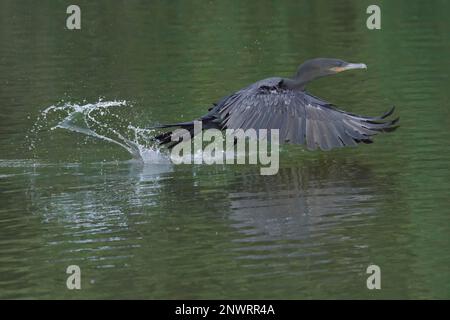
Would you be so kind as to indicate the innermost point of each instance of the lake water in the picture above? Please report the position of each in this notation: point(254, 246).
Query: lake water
point(152, 229)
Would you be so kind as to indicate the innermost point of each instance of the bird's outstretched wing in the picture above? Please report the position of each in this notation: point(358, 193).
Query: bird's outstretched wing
point(301, 118)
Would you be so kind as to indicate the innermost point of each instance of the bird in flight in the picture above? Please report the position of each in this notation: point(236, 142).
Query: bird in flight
point(284, 104)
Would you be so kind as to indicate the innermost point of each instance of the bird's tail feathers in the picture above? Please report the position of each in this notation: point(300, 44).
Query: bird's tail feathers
point(171, 125)
point(171, 138)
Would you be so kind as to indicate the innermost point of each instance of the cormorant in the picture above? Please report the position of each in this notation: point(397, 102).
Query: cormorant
point(284, 104)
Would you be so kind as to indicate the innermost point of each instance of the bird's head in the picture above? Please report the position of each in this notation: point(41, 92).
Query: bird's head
point(320, 67)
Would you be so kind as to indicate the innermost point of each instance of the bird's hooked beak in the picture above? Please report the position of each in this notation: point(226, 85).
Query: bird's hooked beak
point(349, 66)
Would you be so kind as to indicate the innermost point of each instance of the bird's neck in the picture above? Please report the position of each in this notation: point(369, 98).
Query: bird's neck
point(304, 75)
point(295, 84)
point(302, 78)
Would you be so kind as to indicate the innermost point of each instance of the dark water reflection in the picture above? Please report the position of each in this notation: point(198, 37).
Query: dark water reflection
point(165, 231)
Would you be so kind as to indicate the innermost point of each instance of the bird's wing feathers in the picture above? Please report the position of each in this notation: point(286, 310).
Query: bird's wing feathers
point(300, 117)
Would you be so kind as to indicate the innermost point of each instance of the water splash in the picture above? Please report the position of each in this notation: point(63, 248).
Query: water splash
point(106, 120)
point(100, 120)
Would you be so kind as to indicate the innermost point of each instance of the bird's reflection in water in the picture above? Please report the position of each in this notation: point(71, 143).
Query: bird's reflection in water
point(304, 210)
point(315, 211)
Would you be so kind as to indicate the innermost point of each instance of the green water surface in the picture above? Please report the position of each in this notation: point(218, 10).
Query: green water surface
point(199, 231)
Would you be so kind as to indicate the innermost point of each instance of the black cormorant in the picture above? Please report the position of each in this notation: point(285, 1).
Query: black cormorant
point(282, 103)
